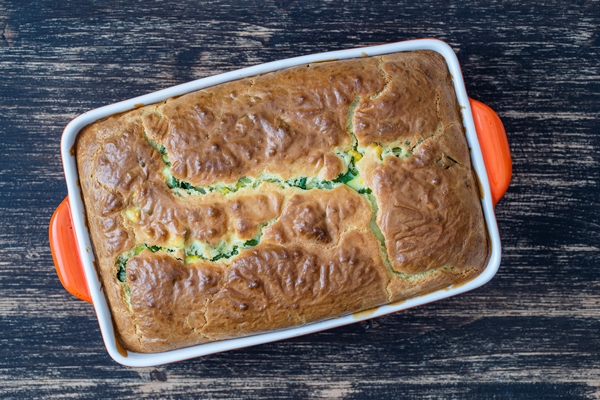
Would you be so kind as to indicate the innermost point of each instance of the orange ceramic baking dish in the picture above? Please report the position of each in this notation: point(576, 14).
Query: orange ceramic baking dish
point(72, 249)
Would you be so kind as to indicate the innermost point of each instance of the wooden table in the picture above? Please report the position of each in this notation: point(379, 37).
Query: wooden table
point(532, 332)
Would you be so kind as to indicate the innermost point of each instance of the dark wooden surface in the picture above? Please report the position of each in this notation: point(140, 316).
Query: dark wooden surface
point(532, 332)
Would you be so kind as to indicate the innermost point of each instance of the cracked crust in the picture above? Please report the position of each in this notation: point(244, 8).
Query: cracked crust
point(281, 199)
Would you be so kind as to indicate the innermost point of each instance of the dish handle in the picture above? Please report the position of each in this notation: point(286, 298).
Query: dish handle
point(494, 147)
point(65, 253)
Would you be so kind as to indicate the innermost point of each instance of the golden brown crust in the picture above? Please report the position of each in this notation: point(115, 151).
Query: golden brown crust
point(426, 208)
point(319, 217)
point(168, 300)
point(275, 286)
point(289, 123)
point(281, 199)
point(416, 102)
point(406, 287)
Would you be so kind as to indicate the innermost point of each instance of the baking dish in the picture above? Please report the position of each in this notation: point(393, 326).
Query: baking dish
point(72, 250)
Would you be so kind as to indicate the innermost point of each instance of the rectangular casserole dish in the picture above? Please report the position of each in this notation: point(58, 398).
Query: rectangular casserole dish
point(72, 248)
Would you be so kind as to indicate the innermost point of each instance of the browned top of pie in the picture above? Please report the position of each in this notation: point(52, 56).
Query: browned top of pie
point(281, 199)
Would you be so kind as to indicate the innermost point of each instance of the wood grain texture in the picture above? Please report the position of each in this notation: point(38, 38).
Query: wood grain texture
point(532, 332)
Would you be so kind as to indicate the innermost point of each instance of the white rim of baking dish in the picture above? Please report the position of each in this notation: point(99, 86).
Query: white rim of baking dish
point(85, 248)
